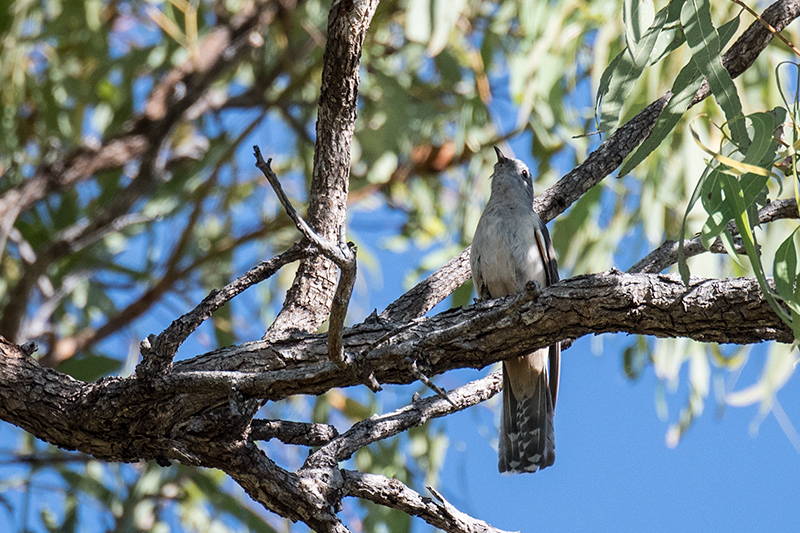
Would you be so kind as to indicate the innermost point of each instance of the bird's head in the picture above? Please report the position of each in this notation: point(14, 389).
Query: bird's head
point(511, 179)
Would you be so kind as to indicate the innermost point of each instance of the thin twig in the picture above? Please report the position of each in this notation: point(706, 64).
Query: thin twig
point(414, 367)
point(158, 351)
point(341, 299)
point(331, 251)
point(767, 25)
point(417, 413)
point(667, 254)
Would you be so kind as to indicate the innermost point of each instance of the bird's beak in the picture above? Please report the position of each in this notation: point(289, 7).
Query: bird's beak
point(500, 156)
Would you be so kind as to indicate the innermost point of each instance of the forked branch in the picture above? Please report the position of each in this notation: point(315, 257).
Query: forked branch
point(158, 351)
point(343, 254)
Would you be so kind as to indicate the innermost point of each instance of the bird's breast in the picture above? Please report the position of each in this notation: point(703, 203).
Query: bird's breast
point(505, 246)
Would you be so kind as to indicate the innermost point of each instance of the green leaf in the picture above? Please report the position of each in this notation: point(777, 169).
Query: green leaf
point(785, 274)
point(221, 501)
point(718, 218)
point(462, 296)
point(683, 90)
point(445, 16)
point(706, 47)
point(763, 125)
point(735, 199)
point(603, 86)
point(89, 368)
point(532, 15)
point(785, 268)
point(86, 484)
point(635, 358)
point(617, 81)
point(759, 155)
point(637, 15)
point(671, 36)
point(418, 21)
point(700, 191)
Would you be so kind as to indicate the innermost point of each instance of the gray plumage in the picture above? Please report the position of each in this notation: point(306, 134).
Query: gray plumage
point(512, 247)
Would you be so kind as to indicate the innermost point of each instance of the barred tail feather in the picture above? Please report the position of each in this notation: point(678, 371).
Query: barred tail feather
point(527, 436)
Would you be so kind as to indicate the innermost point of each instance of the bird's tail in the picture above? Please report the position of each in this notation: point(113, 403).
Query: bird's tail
point(527, 438)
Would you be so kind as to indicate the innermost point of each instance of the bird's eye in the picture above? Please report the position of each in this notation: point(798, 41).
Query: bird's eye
point(525, 174)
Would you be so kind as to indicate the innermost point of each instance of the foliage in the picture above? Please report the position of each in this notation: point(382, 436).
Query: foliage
point(440, 81)
point(735, 183)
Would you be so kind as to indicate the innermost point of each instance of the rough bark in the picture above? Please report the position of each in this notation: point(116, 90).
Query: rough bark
point(130, 418)
point(725, 311)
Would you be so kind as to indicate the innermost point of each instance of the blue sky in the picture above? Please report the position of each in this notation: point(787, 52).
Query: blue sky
point(614, 471)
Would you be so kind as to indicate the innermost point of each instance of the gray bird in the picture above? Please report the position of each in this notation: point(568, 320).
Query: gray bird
point(511, 248)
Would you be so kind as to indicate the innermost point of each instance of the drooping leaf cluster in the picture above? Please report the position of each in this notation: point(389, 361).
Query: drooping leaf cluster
point(747, 168)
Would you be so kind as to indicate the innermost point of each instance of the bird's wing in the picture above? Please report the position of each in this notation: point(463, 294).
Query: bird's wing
point(548, 256)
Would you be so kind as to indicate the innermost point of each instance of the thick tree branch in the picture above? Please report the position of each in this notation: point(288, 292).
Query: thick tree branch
point(125, 419)
point(725, 311)
point(302, 433)
point(306, 496)
point(316, 490)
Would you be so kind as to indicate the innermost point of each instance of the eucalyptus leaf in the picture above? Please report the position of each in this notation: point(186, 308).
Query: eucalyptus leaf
point(706, 46)
point(683, 91)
